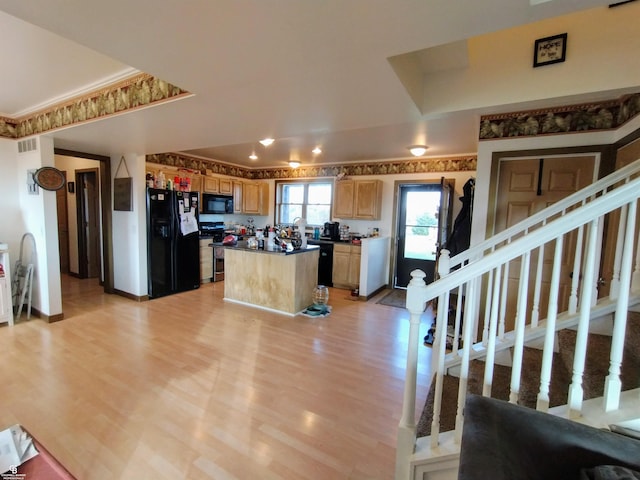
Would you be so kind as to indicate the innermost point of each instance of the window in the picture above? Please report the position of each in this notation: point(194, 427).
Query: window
point(308, 200)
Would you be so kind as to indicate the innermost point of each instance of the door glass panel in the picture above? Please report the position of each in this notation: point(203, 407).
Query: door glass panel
point(421, 226)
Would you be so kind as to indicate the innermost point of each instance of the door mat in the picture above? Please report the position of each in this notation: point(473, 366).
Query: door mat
point(395, 298)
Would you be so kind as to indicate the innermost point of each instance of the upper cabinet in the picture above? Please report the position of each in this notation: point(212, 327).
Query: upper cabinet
point(237, 197)
point(220, 185)
point(225, 186)
point(357, 199)
point(211, 185)
point(255, 198)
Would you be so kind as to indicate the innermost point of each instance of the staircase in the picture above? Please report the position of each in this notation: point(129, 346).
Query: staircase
point(570, 362)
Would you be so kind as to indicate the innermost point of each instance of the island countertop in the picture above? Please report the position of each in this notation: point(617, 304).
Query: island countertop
point(271, 249)
point(271, 279)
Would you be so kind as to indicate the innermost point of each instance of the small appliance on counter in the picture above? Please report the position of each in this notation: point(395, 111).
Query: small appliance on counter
point(331, 230)
point(213, 230)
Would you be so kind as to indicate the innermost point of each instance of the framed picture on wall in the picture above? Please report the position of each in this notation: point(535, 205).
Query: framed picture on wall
point(550, 50)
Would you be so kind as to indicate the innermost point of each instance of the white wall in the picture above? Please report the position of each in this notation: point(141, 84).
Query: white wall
point(39, 217)
point(591, 65)
point(130, 231)
point(11, 222)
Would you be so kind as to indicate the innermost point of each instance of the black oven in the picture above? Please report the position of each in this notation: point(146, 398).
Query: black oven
point(219, 204)
point(212, 230)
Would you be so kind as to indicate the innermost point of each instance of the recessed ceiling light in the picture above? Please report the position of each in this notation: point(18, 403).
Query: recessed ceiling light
point(316, 151)
point(267, 141)
point(294, 164)
point(417, 150)
point(253, 156)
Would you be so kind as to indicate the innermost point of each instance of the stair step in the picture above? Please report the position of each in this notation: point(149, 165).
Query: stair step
point(596, 369)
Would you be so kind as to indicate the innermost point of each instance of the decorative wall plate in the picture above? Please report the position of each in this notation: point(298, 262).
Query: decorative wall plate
point(49, 178)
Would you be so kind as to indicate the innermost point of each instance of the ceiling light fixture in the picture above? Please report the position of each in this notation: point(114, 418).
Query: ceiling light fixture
point(316, 151)
point(253, 156)
point(417, 150)
point(267, 141)
point(294, 164)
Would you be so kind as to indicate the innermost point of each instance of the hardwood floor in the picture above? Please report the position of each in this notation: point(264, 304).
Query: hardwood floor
point(189, 386)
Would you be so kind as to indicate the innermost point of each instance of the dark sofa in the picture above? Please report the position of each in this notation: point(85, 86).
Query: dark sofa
point(502, 441)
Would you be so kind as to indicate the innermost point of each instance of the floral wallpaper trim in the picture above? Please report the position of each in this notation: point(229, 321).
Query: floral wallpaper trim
point(606, 115)
point(391, 167)
point(138, 91)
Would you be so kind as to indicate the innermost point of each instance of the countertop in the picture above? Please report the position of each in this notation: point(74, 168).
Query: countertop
point(272, 250)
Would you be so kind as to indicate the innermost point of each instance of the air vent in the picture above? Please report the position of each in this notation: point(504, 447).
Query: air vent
point(29, 145)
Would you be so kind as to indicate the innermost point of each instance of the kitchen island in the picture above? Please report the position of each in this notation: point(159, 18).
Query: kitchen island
point(271, 279)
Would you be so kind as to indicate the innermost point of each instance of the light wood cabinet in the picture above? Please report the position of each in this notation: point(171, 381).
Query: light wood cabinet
point(255, 198)
point(225, 186)
point(346, 266)
point(237, 197)
point(211, 185)
point(206, 261)
point(357, 199)
point(220, 185)
point(343, 199)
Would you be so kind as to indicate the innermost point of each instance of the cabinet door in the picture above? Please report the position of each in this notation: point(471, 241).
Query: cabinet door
point(251, 198)
point(206, 260)
point(340, 267)
point(237, 197)
point(226, 186)
point(211, 185)
point(367, 199)
point(343, 199)
point(354, 267)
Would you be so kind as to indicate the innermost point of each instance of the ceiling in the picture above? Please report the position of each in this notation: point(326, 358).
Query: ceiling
point(307, 73)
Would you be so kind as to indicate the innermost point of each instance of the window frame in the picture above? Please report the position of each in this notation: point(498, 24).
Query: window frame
point(278, 200)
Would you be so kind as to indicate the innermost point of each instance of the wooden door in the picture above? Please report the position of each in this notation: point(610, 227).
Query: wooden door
point(87, 203)
point(625, 155)
point(63, 227)
point(524, 188)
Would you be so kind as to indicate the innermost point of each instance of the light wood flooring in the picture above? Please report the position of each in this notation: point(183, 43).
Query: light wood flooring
point(189, 386)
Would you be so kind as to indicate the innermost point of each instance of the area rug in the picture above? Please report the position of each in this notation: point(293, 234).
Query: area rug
point(395, 298)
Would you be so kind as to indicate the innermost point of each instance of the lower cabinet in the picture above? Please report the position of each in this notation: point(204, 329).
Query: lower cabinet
point(346, 266)
point(206, 261)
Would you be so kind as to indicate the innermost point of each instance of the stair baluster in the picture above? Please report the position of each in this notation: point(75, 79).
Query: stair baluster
point(613, 385)
point(576, 391)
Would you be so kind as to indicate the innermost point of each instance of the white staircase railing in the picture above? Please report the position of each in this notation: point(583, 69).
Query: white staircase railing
point(496, 311)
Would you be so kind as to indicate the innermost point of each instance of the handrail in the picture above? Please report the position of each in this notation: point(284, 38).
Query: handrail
point(560, 226)
point(479, 277)
point(539, 217)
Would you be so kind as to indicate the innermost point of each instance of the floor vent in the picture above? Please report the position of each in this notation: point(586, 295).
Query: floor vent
point(28, 145)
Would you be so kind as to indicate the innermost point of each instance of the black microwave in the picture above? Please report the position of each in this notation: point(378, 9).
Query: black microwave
point(219, 204)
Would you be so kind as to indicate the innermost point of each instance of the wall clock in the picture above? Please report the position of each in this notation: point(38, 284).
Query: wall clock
point(550, 50)
point(49, 178)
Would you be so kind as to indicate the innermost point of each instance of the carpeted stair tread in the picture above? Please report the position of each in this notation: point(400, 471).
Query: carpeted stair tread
point(596, 369)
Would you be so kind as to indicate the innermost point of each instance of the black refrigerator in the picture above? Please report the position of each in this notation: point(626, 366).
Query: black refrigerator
point(173, 246)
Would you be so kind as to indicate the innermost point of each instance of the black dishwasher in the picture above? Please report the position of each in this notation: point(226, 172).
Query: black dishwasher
point(325, 264)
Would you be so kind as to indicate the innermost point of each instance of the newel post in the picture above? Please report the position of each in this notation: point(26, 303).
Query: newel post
point(415, 303)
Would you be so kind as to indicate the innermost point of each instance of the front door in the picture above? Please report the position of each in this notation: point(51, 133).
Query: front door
point(421, 229)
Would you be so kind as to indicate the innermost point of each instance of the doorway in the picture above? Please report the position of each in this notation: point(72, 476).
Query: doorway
point(63, 227)
point(103, 190)
point(88, 215)
point(424, 217)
